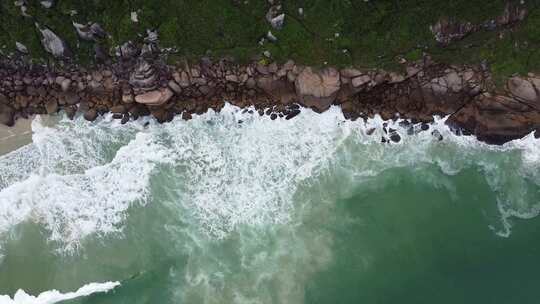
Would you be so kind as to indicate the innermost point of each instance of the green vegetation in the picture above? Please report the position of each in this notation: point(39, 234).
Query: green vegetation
point(339, 32)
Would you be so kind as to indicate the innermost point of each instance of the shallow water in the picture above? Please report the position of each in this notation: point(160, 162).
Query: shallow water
point(232, 207)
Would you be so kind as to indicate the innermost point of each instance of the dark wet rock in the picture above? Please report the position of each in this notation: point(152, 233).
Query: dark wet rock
point(125, 119)
point(395, 137)
point(119, 109)
point(294, 107)
point(424, 126)
point(496, 119)
point(370, 131)
point(51, 106)
point(6, 116)
point(117, 116)
point(273, 116)
point(278, 89)
point(91, 115)
point(437, 135)
point(404, 124)
point(69, 98)
point(162, 115)
point(292, 114)
point(70, 111)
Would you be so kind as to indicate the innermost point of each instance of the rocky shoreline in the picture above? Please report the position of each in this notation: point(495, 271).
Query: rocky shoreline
point(134, 85)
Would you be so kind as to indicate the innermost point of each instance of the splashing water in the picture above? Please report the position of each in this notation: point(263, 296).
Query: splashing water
point(235, 184)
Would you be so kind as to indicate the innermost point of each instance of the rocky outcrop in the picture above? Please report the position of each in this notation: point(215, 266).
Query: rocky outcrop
point(318, 89)
point(143, 78)
point(138, 85)
point(497, 117)
point(448, 30)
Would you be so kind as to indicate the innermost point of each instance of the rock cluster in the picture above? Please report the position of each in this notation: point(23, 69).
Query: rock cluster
point(137, 85)
point(448, 30)
point(497, 117)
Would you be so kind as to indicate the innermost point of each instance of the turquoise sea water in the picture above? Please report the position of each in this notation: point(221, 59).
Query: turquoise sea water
point(235, 208)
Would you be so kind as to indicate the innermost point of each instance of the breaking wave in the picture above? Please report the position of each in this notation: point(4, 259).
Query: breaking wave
point(231, 169)
point(54, 296)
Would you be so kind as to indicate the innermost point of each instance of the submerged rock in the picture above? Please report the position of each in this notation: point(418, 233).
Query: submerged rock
point(6, 116)
point(90, 115)
point(395, 137)
point(437, 135)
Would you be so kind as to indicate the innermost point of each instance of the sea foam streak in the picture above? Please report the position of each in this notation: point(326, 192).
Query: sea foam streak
point(54, 296)
point(231, 168)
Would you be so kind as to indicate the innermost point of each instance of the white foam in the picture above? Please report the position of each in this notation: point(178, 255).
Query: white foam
point(246, 173)
point(54, 296)
point(78, 178)
point(77, 202)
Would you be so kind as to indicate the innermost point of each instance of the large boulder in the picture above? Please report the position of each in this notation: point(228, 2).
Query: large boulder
point(90, 115)
point(448, 92)
point(143, 78)
point(6, 116)
point(496, 119)
point(278, 89)
point(51, 106)
point(318, 89)
point(53, 44)
point(525, 89)
point(154, 98)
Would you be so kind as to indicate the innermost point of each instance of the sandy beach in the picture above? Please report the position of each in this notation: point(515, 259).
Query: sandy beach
point(12, 138)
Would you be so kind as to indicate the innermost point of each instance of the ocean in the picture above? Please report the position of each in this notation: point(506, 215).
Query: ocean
point(233, 207)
